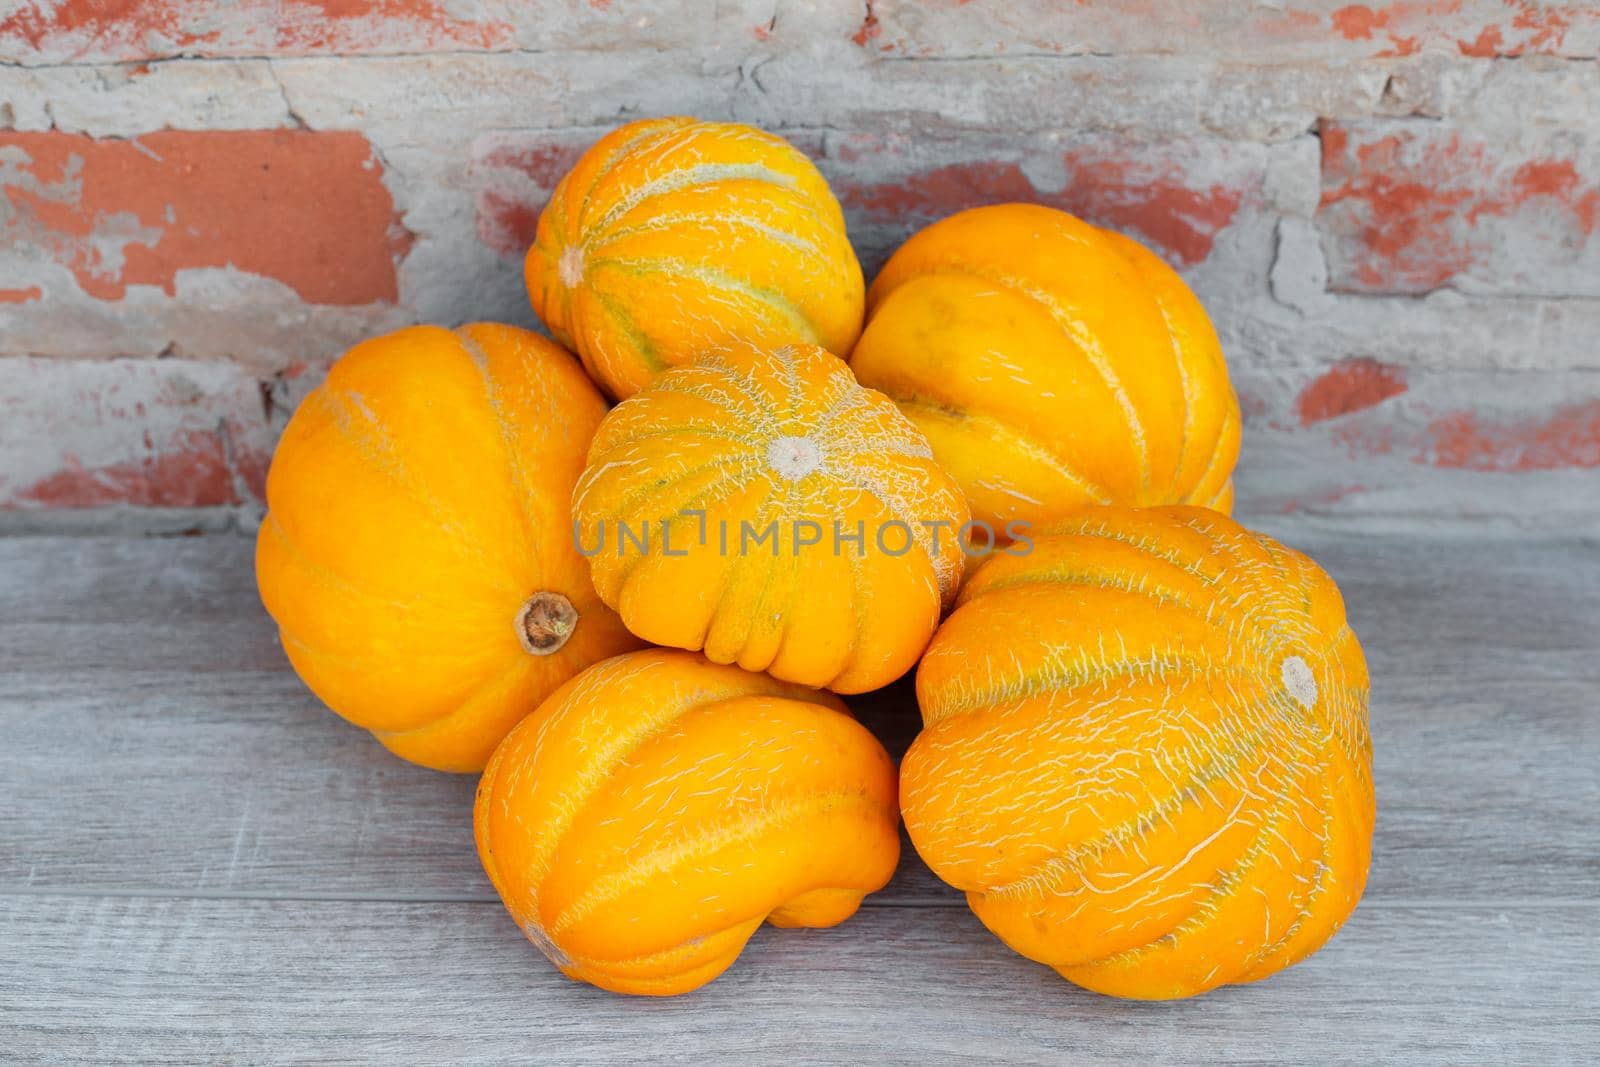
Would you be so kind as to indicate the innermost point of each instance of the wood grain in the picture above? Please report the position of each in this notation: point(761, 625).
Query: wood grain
point(176, 980)
point(198, 861)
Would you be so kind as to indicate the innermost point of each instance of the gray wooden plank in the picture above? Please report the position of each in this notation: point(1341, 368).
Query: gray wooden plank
point(181, 980)
point(200, 863)
point(218, 783)
point(138, 646)
point(71, 579)
point(163, 745)
point(242, 783)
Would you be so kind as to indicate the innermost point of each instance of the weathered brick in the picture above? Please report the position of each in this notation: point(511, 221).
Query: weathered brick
point(1520, 448)
point(1445, 331)
point(134, 99)
point(1567, 437)
point(1349, 386)
point(1455, 426)
point(1534, 91)
point(448, 98)
point(1411, 207)
point(1139, 95)
point(76, 31)
point(1226, 29)
point(168, 433)
point(306, 209)
point(1381, 369)
point(111, 31)
point(513, 176)
point(1175, 195)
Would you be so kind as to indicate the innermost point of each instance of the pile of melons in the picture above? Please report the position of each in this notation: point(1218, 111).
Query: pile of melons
point(1145, 756)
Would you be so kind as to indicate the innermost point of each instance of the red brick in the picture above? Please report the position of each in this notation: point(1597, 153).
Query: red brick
point(188, 471)
point(514, 176)
point(1150, 195)
point(1566, 438)
point(1457, 421)
point(1226, 29)
point(1176, 196)
point(128, 30)
point(146, 433)
point(869, 31)
point(1407, 208)
point(1528, 27)
point(928, 195)
point(1349, 386)
point(307, 209)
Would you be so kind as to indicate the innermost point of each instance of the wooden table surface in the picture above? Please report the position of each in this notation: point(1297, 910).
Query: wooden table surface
point(199, 863)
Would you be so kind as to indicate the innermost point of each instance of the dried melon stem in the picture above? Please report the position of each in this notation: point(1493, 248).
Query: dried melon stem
point(545, 623)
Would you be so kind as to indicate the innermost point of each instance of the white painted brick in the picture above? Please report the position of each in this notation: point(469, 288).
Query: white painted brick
point(216, 314)
point(163, 433)
point(1149, 95)
point(1519, 448)
point(1443, 331)
point(1411, 206)
point(53, 33)
point(124, 101)
point(405, 100)
point(1261, 32)
point(999, 92)
point(1536, 91)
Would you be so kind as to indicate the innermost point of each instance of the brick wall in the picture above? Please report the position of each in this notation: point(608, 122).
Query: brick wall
point(1392, 211)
